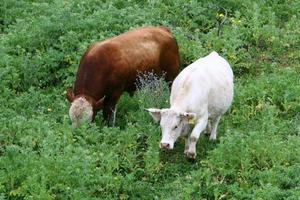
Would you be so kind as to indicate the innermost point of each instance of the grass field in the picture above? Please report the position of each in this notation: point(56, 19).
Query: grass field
point(257, 153)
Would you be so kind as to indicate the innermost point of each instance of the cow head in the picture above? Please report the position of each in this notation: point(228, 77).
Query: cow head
point(172, 124)
point(83, 108)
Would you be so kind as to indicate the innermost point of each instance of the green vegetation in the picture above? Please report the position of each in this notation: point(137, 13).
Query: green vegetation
point(256, 156)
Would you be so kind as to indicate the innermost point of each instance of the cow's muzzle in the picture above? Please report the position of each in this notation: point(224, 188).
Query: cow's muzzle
point(164, 146)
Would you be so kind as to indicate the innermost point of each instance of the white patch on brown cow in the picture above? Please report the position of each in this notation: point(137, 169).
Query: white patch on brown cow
point(80, 111)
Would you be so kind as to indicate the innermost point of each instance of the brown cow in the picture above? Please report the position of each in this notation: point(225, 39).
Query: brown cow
point(110, 67)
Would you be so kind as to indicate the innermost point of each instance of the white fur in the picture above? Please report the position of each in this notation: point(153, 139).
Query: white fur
point(80, 111)
point(200, 94)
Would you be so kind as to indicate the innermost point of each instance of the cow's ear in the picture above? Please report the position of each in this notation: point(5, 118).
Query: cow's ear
point(190, 117)
point(70, 95)
point(155, 113)
point(99, 103)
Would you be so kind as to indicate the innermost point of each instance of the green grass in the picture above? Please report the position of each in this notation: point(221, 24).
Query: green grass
point(257, 153)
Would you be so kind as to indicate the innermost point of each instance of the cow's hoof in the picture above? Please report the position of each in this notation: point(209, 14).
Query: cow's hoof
point(190, 155)
point(212, 139)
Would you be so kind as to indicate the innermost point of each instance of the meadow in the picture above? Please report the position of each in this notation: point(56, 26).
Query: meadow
point(257, 152)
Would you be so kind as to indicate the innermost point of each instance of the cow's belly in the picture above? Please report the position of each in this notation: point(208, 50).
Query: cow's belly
point(219, 101)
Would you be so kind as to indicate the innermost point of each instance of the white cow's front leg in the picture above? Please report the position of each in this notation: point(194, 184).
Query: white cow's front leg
point(185, 134)
point(187, 144)
point(199, 127)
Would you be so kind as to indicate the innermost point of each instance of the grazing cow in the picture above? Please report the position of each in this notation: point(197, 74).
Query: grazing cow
point(110, 67)
point(200, 95)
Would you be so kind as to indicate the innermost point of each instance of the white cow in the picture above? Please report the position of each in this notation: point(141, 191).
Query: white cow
point(200, 95)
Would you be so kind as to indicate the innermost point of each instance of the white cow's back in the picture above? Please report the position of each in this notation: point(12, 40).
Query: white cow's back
point(206, 84)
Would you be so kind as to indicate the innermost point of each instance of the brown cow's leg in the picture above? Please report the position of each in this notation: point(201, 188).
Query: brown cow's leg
point(109, 107)
point(107, 113)
point(170, 78)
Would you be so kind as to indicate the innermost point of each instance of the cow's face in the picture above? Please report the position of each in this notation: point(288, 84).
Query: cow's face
point(83, 108)
point(81, 111)
point(172, 124)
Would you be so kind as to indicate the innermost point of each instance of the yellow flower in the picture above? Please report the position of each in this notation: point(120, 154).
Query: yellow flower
point(49, 110)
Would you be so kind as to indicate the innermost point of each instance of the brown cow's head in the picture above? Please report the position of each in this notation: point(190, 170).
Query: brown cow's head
point(83, 108)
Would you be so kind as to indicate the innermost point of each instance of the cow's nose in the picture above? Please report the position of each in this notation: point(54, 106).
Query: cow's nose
point(164, 145)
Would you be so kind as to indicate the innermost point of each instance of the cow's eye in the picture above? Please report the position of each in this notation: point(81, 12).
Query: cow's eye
point(175, 127)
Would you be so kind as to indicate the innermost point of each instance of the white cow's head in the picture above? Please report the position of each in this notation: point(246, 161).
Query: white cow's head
point(172, 124)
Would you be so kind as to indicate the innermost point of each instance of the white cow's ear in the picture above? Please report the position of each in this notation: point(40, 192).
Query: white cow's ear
point(190, 117)
point(155, 113)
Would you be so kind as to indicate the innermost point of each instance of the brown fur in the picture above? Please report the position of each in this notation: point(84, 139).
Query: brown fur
point(110, 67)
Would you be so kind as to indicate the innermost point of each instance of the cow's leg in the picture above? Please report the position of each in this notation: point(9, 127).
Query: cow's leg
point(215, 122)
point(169, 78)
point(199, 127)
point(187, 144)
point(109, 107)
point(107, 112)
point(208, 128)
point(185, 134)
